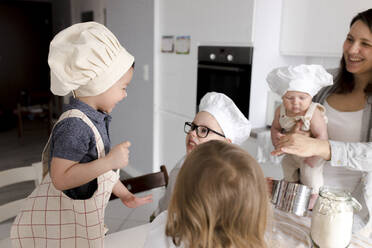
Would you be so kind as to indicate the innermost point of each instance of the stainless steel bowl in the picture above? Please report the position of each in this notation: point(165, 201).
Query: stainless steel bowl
point(291, 197)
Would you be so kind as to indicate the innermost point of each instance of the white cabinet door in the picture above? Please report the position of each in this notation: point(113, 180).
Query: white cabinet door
point(317, 27)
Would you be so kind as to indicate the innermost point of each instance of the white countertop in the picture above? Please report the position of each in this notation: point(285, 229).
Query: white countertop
point(135, 237)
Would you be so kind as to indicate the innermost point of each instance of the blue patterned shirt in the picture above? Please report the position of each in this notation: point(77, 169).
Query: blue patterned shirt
point(74, 140)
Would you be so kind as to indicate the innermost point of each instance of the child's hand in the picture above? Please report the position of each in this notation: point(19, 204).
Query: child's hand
point(118, 156)
point(131, 201)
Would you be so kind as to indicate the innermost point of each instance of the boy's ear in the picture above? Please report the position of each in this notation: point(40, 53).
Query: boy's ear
point(229, 140)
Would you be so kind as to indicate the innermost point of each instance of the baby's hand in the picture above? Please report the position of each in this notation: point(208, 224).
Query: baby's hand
point(297, 129)
point(118, 156)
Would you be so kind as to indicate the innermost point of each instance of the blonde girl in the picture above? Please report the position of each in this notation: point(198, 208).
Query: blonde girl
point(220, 200)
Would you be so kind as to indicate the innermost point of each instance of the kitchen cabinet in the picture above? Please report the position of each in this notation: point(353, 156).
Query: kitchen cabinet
point(317, 27)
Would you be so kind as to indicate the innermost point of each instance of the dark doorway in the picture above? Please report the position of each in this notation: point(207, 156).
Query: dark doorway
point(25, 31)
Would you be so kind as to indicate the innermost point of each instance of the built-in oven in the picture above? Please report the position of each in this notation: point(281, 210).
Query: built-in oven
point(225, 69)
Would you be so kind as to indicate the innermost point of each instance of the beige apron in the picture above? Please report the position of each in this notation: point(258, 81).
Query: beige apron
point(287, 122)
point(51, 219)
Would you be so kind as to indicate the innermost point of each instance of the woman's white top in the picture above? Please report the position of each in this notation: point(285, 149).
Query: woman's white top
point(337, 121)
point(341, 177)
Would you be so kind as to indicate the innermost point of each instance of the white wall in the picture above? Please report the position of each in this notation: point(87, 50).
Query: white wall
point(207, 22)
point(266, 56)
point(133, 119)
point(79, 6)
point(153, 115)
point(215, 22)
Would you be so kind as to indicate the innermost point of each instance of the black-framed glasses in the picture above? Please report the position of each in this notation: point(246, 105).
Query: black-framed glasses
point(201, 131)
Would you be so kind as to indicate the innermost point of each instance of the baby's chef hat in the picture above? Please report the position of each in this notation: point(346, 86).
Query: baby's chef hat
point(87, 58)
point(303, 78)
point(233, 123)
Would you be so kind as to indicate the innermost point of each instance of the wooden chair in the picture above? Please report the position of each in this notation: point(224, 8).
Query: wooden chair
point(146, 182)
point(18, 175)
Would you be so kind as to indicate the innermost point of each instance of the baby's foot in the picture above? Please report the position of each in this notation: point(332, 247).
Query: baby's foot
point(312, 201)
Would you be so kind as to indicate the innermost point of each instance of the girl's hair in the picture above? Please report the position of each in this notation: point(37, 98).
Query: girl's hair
point(345, 80)
point(220, 199)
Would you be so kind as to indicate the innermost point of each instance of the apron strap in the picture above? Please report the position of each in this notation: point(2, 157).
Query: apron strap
point(70, 114)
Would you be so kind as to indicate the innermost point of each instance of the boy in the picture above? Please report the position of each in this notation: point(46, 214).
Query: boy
point(67, 208)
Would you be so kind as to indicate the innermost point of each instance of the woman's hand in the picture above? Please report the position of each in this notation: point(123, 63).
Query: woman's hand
point(131, 201)
point(303, 146)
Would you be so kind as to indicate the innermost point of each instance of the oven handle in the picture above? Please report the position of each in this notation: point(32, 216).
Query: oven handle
point(221, 68)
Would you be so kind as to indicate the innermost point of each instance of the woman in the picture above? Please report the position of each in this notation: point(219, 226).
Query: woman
point(227, 210)
point(348, 104)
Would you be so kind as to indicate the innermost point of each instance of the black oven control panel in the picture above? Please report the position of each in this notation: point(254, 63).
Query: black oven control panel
point(225, 54)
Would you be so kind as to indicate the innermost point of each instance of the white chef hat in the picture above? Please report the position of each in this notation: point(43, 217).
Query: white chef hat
point(232, 121)
point(87, 58)
point(303, 78)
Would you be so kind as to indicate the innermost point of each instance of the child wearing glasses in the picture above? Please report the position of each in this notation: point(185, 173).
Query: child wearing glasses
point(218, 119)
point(228, 209)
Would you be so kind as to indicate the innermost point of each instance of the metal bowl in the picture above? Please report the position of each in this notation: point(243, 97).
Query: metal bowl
point(291, 197)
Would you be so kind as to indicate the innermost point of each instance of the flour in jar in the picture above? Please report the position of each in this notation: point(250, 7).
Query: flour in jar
point(332, 230)
point(332, 220)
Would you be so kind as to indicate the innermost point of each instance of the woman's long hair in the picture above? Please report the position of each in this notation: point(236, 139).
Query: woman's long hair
point(220, 199)
point(345, 80)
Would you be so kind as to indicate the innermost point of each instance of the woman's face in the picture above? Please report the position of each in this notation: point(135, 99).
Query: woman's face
point(357, 49)
point(207, 120)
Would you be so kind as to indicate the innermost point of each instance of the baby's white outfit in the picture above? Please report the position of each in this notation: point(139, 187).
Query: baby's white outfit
point(294, 167)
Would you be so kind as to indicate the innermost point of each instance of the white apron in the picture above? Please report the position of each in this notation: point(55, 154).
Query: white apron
point(49, 218)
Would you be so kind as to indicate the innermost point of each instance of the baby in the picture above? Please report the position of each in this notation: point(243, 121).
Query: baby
point(297, 85)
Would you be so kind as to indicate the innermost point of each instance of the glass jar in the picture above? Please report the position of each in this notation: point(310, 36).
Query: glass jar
point(332, 218)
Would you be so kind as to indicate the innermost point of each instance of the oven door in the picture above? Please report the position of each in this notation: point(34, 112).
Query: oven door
point(232, 80)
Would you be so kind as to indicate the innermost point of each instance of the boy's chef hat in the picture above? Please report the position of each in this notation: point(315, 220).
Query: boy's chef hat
point(233, 123)
point(303, 78)
point(86, 58)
